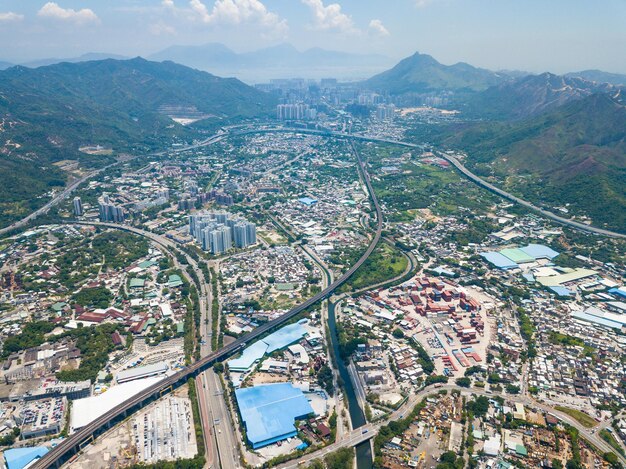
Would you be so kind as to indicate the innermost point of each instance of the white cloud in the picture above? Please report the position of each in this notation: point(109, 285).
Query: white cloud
point(9, 16)
point(422, 3)
point(330, 17)
point(240, 12)
point(168, 3)
point(202, 11)
point(54, 11)
point(377, 28)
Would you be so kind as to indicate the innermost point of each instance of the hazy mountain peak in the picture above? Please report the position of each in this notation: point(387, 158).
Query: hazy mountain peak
point(278, 61)
point(422, 73)
point(599, 76)
point(531, 95)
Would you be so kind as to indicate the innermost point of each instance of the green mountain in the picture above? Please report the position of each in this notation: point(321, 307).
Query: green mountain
point(48, 113)
point(574, 154)
point(528, 96)
point(600, 77)
point(420, 73)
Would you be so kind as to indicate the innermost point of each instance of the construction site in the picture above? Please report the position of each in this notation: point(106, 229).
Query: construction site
point(163, 431)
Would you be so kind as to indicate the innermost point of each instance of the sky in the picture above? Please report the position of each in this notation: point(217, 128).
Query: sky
point(531, 35)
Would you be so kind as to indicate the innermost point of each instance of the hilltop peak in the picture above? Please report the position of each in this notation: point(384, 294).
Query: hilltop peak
point(422, 73)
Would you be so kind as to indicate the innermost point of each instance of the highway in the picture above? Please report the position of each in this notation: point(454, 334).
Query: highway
point(71, 445)
point(223, 426)
point(55, 200)
point(74, 185)
point(459, 166)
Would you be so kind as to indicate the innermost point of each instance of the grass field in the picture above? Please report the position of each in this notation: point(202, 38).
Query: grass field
point(385, 263)
point(583, 418)
point(610, 439)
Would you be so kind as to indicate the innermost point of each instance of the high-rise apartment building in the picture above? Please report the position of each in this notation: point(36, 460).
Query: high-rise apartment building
point(217, 232)
point(78, 207)
point(109, 211)
point(290, 112)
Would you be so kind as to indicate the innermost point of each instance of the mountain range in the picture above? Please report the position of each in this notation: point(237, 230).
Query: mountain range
point(281, 61)
point(600, 77)
point(542, 136)
point(574, 154)
point(47, 113)
point(529, 96)
point(548, 138)
point(90, 56)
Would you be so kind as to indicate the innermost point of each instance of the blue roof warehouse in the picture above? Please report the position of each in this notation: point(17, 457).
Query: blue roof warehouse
point(269, 412)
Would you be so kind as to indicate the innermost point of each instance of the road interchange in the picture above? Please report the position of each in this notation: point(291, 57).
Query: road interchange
point(74, 443)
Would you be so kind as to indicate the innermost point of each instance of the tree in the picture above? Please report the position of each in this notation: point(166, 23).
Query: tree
point(611, 458)
point(512, 389)
point(325, 379)
point(479, 406)
point(340, 459)
point(434, 379)
point(398, 333)
point(463, 382)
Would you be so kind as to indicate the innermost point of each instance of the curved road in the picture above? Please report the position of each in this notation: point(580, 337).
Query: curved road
point(355, 437)
point(457, 164)
point(73, 443)
point(55, 200)
point(74, 185)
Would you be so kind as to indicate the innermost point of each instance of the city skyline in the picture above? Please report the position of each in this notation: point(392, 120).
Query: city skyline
point(558, 37)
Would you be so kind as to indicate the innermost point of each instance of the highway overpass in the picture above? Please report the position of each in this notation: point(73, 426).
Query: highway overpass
point(84, 436)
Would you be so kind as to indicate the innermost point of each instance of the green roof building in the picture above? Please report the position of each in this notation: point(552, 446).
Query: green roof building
point(174, 281)
point(137, 283)
point(149, 322)
point(58, 307)
point(517, 255)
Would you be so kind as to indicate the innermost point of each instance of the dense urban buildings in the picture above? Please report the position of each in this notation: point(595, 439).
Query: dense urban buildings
point(287, 112)
point(173, 260)
point(109, 211)
point(218, 231)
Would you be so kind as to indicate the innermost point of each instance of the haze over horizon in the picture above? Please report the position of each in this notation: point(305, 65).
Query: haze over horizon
point(559, 36)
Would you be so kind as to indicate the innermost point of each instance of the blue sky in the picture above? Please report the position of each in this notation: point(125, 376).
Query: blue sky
point(532, 35)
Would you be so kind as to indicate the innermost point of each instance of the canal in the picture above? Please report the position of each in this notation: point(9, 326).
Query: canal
point(357, 417)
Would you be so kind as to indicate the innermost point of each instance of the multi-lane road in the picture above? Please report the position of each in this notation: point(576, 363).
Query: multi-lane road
point(65, 193)
point(220, 425)
point(73, 443)
point(52, 202)
point(458, 165)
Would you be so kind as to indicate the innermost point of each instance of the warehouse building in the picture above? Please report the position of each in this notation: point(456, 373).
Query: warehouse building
point(269, 412)
point(141, 372)
point(276, 341)
point(84, 411)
